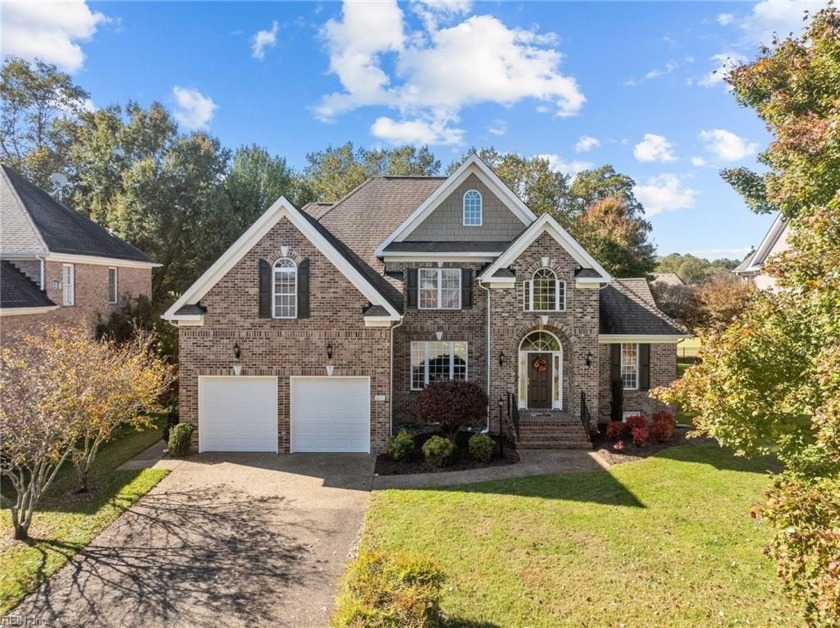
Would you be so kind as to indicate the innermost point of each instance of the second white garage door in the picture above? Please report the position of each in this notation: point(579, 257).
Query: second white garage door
point(330, 414)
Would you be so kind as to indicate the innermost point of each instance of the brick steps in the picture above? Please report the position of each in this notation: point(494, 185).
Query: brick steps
point(552, 432)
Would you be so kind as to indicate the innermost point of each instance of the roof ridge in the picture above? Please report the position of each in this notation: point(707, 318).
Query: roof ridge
point(22, 206)
point(652, 309)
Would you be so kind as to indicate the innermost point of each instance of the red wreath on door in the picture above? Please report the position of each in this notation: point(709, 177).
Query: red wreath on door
point(540, 365)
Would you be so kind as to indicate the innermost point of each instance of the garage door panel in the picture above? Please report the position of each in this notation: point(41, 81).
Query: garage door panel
point(330, 414)
point(238, 414)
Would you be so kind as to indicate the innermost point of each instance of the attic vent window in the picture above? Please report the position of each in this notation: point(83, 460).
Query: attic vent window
point(473, 210)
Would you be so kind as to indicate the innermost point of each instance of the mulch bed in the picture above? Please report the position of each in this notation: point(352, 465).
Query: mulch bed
point(415, 463)
point(603, 447)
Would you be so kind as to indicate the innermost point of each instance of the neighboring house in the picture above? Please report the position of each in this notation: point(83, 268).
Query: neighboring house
point(774, 242)
point(667, 279)
point(338, 315)
point(57, 265)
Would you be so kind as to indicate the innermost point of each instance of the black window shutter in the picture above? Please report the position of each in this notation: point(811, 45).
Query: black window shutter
point(644, 366)
point(303, 289)
point(466, 288)
point(265, 289)
point(615, 361)
point(412, 287)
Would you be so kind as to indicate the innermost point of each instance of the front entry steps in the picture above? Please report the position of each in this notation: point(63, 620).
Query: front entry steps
point(551, 429)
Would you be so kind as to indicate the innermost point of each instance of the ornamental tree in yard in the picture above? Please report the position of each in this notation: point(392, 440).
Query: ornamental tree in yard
point(770, 382)
point(452, 404)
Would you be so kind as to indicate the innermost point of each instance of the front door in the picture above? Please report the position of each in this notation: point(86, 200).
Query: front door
point(539, 380)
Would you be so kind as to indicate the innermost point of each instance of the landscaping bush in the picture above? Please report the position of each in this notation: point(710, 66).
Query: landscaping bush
point(637, 420)
point(392, 590)
point(453, 404)
point(663, 426)
point(481, 447)
point(640, 436)
point(400, 446)
point(179, 440)
point(615, 430)
point(438, 451)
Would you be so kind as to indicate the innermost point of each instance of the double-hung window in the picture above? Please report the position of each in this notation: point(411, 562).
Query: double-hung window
point(439, 288)
point(68, 285)
point(285, 288)
point(437, 361)
point(544, 292)
point(112, 284)
point(630, 366)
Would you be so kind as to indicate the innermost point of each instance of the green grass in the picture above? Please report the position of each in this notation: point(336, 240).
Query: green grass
point(688, 347)
point(66, 522)
point(664, 541)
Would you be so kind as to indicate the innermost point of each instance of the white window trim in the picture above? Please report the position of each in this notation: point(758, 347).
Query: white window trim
point(425, 344)
point(286, 269)
point(529, 288)
point(622, 364)
point(439, 272)
point(116, 285)
point(480, 209)
point(68, 288)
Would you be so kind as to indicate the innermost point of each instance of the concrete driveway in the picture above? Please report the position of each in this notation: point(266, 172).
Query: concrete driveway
point(224, 540)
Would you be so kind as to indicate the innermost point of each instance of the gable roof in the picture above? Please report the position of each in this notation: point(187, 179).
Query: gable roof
point(547, 224)
point(745, 264)
point(755, 261)
point(624, 312)
point(473, 165)
point(40, 225)
point(365, 279)
point(18, 291)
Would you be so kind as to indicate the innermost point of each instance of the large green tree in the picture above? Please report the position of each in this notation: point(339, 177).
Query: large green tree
point(591, 186)
point(693, 270)
point(771, 381)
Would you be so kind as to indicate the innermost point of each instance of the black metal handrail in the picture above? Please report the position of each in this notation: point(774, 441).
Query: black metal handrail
point(513, 412)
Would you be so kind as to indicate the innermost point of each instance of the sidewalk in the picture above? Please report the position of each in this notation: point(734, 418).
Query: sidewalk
point(151, 458)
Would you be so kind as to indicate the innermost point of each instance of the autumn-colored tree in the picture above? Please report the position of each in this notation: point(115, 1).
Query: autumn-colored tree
point(770, 382)
point(678, 301)
point(722, 299)
point(452, 404)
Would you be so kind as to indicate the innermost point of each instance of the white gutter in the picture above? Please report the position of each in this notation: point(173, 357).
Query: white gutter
point(391, 380)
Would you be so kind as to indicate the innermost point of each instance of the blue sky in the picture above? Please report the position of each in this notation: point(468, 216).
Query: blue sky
point(584, 84)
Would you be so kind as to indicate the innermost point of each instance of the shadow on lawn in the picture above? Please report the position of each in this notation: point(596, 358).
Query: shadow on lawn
point(185, 558)
point(721, 458)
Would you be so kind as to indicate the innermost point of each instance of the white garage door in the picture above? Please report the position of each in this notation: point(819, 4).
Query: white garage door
point(237, 414)
point(330, 414)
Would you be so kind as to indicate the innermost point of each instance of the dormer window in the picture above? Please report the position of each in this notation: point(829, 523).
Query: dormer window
point(285, 288)
point(473, 209)
point(544, 292)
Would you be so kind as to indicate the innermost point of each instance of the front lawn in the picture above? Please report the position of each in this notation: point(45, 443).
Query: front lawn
point(66, 522)
point(665, 541)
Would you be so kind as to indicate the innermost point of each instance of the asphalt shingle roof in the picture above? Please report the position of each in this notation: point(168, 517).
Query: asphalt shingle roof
point(624, 312)
point(17, 290)
point(60, 228)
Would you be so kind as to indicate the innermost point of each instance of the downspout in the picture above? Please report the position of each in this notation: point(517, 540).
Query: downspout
point(489, 405)
point(43, 273)
point(391, 379)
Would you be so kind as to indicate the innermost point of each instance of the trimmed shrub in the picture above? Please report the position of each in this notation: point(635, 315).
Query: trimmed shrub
point(616, 430)
point(400, 446)
point(637, 420)
point(640, 436)
point(481, 447)
point(663, 426)
point(438, 451)
point(179, 440)
point(453, 404)
point(392, 590)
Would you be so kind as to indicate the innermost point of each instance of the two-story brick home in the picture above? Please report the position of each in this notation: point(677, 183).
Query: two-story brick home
point(317, 329)
point(57, 265)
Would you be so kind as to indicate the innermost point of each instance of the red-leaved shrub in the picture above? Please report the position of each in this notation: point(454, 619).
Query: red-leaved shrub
point(663, 426)
point(640, 436)
point(615, 430)
point(453, 404)
point(637, 420)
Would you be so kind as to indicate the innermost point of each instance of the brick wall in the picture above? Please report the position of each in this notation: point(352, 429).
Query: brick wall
point(663, 371)
point(285, 348)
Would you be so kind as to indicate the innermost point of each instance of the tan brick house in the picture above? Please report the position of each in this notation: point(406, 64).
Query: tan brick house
point(317, 329)
point(57, 265)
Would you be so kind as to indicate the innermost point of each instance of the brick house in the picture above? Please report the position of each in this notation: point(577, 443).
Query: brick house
point(57, 265)
point(317, 329)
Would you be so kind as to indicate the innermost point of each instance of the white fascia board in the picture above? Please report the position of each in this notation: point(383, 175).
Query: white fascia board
point(767, 244)
point(547, 224)
point(69, 258)
point(281, 208)
point(189, 321)
point(606, 339)
point(20, 311)
point(22, 255)
point(378, 321)
point(473, 165)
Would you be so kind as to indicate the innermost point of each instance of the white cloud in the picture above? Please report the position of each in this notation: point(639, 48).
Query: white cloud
point(727, 146)
point(499, 127)
point(416, 131)
point(724, 63)
point(654, 148)
point(435, 12)
point(698, 161)
point(725, 19)
point(485, 62)
point(586, 143)
point(194, 109)
point(263, 40)
point(712, 254)
point(571, 168)
point(665, 193)
point(669, 67)
point(777, 16)
point(49, 31)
